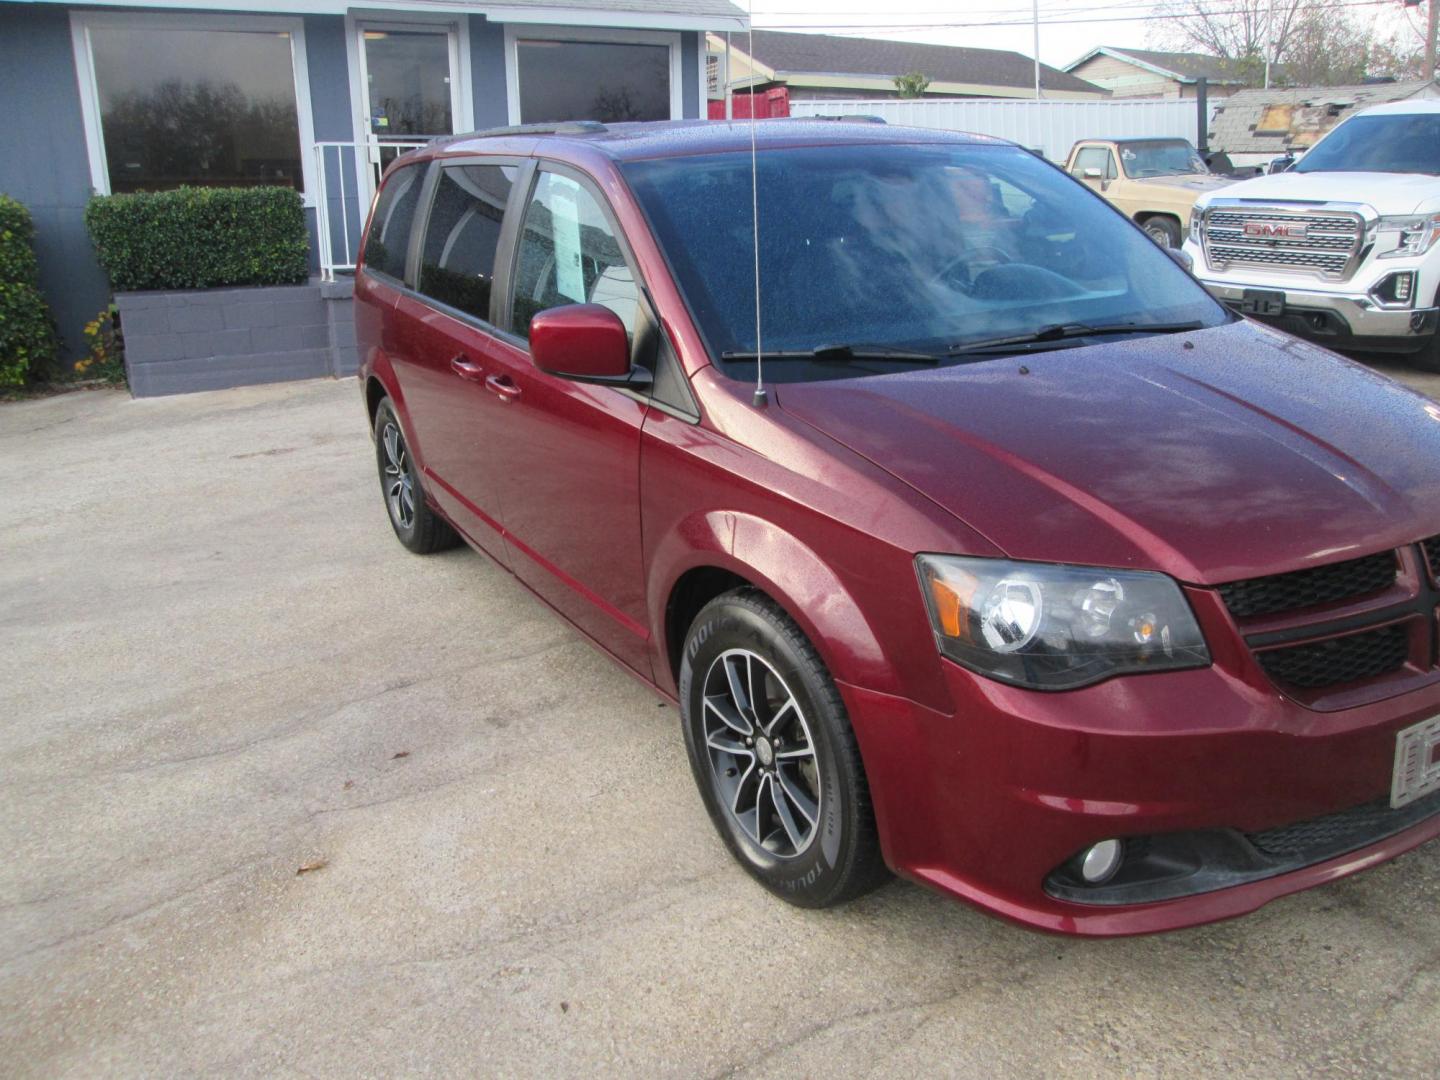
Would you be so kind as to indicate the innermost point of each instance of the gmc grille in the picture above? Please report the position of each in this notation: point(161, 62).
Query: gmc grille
point(1330, 243)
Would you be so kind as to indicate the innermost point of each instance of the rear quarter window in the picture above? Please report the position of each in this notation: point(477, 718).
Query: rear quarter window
point(388, 240)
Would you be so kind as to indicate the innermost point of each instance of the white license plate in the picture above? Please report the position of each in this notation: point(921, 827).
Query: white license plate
point(1417, 762)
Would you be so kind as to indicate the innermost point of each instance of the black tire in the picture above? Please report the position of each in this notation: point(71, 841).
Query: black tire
point(841, 858)
point(1428, 358)
point(1163, 230)
point(416, 526)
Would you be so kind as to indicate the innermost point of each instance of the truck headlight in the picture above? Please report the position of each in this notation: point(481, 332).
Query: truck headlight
point(1051, 627)
point(1197, 223)
point(1413, 235)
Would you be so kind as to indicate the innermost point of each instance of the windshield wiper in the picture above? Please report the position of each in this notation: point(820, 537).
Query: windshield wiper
point(840, 354)
point(1062, 331)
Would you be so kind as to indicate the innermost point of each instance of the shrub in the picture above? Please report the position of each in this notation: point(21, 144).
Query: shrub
point(27, 335)
point(17, 256)
point(105, 348)
point(198, 238)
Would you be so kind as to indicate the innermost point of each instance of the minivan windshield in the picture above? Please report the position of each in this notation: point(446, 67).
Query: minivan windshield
point(1161, 157)
point(1388, 142)
point(874, 258)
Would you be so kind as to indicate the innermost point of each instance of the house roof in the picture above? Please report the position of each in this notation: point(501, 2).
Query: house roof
point(1259, 121)
point(1184, 67)
point(792, 54)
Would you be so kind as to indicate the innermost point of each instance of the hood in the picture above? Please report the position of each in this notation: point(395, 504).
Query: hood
point(1188, 182)
point(1246, 453)
point(1388, 193)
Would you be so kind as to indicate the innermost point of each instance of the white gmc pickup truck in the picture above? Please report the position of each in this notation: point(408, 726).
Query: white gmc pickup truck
point(1344, 249)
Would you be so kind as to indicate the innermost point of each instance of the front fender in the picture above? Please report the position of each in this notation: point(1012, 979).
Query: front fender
point(789, 572)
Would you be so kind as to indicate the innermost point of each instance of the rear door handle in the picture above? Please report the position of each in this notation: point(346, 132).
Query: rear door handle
point(503, 387)
point(467, 369)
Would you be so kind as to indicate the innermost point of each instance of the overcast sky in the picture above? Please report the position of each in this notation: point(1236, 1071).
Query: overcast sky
point(1068, 28)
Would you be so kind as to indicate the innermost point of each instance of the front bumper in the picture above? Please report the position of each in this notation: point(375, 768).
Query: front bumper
point(1339, 319)
point(987, 802)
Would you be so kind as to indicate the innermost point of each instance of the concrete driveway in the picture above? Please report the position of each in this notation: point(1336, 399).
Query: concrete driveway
point(279, 798)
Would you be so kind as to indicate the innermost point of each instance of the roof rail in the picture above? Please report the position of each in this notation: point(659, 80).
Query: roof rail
point(849, 118)
point(564, 127)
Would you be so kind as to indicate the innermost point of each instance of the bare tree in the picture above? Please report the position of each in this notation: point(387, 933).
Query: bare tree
point(1240, 30)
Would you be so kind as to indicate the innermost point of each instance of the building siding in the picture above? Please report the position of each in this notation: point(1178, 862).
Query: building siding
point(43, 163)
point(487, 73)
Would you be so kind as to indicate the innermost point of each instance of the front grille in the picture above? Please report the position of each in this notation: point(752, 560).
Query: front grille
point(1432, 554)
point(1345, 831)
point(1330, 243)
point(1340, 660)
point(1308, 588)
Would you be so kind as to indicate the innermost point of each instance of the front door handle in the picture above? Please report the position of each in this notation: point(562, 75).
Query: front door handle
point(467, 368)
point(503, 387)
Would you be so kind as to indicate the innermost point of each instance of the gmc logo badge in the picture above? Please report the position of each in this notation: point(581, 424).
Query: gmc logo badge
point(1275, 230)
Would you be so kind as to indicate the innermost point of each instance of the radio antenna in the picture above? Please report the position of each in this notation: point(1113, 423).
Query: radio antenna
point(760, 399)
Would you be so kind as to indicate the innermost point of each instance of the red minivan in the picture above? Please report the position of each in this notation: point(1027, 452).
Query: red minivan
point(974, 540)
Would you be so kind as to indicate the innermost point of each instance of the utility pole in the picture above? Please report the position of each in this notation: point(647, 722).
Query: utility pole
point(1431, 32)
point(1269, 44)
point(1035, 13)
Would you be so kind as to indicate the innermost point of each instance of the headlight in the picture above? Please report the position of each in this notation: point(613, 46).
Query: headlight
point(1414, 235)
point(1057, 627)
point(1197, 223)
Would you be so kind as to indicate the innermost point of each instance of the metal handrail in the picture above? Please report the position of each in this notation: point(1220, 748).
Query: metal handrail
point(334, 159)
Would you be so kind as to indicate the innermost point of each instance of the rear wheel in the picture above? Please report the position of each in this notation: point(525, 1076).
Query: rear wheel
point(774, 755)
point(416, 526)
point(1163, 230)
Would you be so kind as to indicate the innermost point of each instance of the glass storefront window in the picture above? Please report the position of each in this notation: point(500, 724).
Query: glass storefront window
point(592, 80)
point(210, 108)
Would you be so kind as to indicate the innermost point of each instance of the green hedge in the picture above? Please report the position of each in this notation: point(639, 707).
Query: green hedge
point(17, 256)
point(27, 332)
point(27, 336)
point(199, 238)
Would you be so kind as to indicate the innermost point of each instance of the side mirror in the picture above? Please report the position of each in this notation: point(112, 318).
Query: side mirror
point(1091, 174)
point(586, 343)
point(1183, 258)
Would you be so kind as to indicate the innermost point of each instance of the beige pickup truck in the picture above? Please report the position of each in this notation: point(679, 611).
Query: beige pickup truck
point(1154, 182)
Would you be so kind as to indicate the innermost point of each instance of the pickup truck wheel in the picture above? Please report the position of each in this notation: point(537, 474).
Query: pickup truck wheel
point(774, 755)
point(416, 526)
point(1163, 230)
point(1428, 358)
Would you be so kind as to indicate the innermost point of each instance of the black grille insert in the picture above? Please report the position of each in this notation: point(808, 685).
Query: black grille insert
point(1307, 588)
point(1339, 660)
point(1432, 554)
point(1345, 831)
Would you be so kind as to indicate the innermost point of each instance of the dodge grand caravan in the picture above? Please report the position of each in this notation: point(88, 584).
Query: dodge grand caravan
point(975, 542)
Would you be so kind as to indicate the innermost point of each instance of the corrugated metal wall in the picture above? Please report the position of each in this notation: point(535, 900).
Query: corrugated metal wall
point(1051, 126)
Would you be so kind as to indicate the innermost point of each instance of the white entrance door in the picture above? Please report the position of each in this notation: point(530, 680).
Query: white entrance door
point(410, 77)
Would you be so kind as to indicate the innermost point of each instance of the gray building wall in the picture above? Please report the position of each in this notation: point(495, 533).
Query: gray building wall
point(487, 73)
point(690, 46)
point(44, 165)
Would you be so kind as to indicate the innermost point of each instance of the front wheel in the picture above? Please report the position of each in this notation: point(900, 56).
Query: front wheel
point(774, 755)
point(1428, 358)
point(1164, 231)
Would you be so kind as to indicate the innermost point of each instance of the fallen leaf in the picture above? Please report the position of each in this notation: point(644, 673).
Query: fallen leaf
point(349, 784)
point(402, 753)
point(564, 1006)
point(310, 867)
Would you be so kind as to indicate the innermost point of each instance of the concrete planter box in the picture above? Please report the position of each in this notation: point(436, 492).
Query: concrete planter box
point(211, 339)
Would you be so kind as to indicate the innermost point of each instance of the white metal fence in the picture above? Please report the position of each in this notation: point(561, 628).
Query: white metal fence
point(1049, 126)
point(347, 174)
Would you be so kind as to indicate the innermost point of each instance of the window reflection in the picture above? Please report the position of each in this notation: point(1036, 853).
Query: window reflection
point(211, 108)
point(592, 80)
point(409, 75)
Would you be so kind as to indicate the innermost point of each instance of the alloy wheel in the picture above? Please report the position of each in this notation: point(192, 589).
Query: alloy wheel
point(762, 756)
point(399, 485)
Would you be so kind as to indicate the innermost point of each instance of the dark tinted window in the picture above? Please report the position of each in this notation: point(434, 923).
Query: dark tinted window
point(1398, 143)
point(569, 255)
point(390, 225)
point(915, 247)
point(592, 80)
point(457, 262)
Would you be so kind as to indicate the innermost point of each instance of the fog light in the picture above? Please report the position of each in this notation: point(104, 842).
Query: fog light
point(1101, 862)
point(1395, 290)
